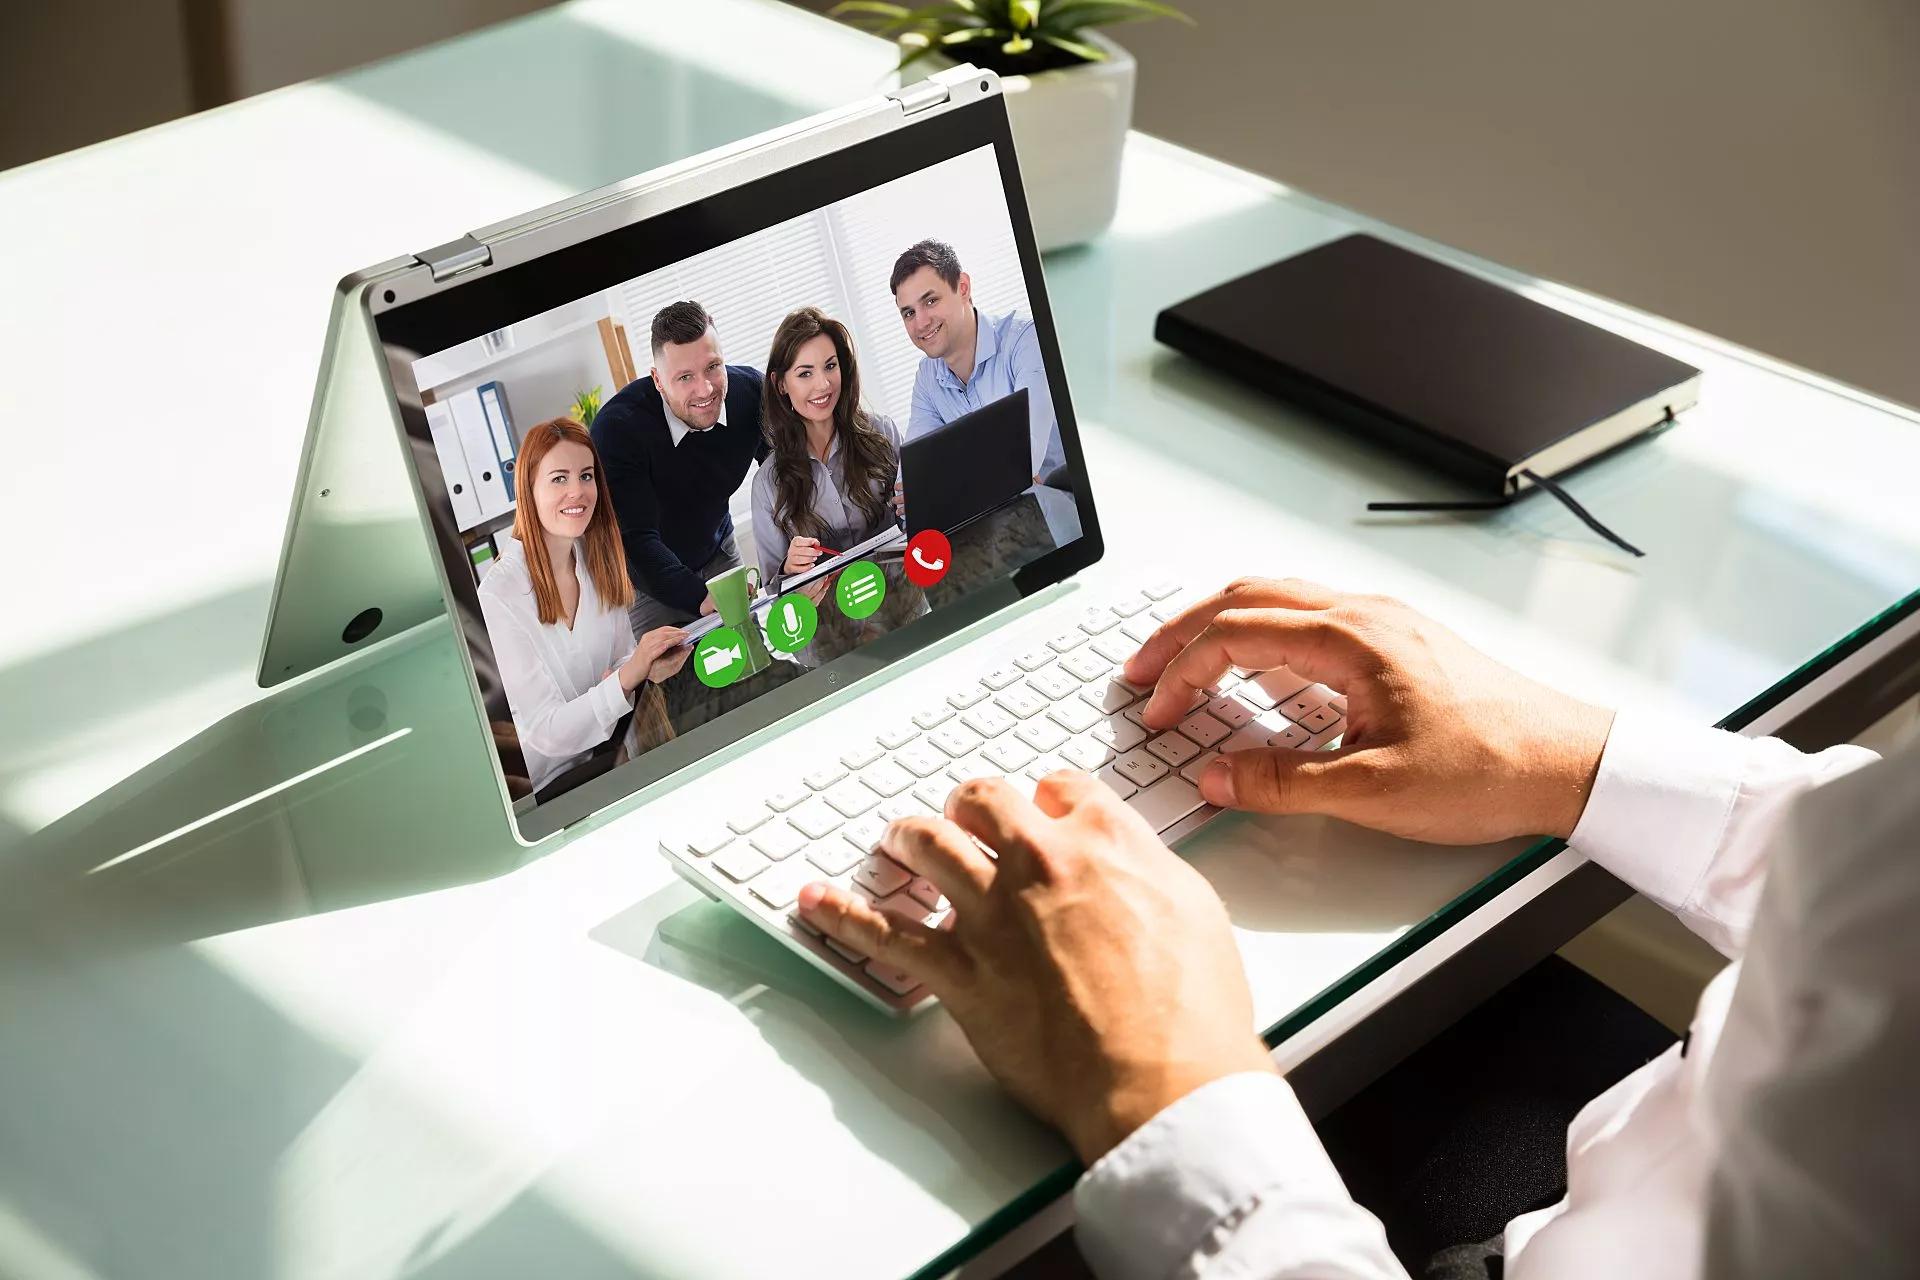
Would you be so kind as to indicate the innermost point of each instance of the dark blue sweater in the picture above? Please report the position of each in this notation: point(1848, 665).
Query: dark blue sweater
point(671, 499)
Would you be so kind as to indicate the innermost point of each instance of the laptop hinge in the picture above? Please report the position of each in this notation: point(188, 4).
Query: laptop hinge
point(455, 257)
point(917, 97)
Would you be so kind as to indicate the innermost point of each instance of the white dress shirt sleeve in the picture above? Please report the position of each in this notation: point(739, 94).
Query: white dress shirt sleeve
point(1228, 1183)
point(1684, 814)
point(546, 719)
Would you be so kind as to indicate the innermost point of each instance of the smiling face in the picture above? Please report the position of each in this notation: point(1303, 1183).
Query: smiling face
point(812, 385)
point(692, 379)
point(934, 313)
point(566, 490)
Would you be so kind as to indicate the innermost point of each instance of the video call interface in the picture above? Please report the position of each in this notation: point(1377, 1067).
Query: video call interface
point(692, 487)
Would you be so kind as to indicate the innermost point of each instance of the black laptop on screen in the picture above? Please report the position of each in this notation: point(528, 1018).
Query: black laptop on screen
point(964, 469)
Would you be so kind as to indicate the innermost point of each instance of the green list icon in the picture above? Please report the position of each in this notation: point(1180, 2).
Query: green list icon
point(862, 589)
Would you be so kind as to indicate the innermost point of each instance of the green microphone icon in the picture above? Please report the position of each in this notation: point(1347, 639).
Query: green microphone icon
point(791, 622)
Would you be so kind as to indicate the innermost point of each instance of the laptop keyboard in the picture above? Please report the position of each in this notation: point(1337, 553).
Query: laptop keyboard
point(1057, 705)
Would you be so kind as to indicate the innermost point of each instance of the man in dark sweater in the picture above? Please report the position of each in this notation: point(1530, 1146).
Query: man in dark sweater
point(675, 447)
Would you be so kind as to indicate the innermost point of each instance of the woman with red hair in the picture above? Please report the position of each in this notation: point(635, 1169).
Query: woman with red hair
point(555, 606)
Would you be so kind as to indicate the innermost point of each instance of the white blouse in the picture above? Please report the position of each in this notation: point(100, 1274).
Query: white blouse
point(562, 705)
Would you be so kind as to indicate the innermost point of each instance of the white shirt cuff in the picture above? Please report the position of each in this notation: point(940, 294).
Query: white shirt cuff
point(611, 700)
point(1169, 1200)
point(1660, 804)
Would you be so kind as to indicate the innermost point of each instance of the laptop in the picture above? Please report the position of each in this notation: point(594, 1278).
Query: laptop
point(439, 367)
point(966, 468)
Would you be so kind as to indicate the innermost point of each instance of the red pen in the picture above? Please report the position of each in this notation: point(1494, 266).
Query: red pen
point(825, 550)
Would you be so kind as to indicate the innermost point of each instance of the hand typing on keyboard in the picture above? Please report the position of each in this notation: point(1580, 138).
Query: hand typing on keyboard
point(1442, 743)
point(1092, 969)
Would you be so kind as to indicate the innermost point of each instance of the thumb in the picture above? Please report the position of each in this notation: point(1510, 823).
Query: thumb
point(1281, 780)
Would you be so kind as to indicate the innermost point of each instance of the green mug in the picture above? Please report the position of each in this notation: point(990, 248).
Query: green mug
point(732, 592)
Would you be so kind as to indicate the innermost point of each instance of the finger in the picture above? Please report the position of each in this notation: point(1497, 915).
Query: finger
point(1243, 593)
point(943, 853)
point(1313, 644)
point(1283, 780)
point(1002, 819)
point(930, 955)
point(1061, 793)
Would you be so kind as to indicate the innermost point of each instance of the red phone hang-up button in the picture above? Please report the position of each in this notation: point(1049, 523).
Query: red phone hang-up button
point(928, 557)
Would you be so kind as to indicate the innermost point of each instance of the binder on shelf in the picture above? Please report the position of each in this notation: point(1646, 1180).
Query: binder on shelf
point(493, 402)
point(453, 465)
point(483, 463)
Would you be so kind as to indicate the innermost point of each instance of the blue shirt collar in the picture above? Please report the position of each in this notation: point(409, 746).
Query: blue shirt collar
point(985, 345)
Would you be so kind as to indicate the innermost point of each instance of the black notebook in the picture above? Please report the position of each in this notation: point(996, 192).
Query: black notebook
point(1467, 376)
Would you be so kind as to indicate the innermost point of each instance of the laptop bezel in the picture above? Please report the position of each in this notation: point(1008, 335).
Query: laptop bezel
point(547, 260)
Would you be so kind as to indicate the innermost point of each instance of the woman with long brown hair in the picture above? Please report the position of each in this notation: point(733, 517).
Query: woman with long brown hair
point(555, 605)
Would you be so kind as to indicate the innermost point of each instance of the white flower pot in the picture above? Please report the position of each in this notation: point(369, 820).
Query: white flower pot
point(1070, 127)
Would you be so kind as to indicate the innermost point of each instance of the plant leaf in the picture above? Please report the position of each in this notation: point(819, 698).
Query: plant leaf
point(973, 33)
point(1016, 46)
point(869, 8)
point(1077, 15)
point(1089, 52)
point(910, 55)
point(1022, 14)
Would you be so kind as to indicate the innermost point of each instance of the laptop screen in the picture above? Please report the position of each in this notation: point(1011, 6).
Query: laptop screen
point(679, 495)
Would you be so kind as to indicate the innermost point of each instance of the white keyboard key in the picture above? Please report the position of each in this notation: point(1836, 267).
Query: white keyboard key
point(748, 818)
point(928, 894)
point(922, 760)
point(825, 776)
point(707, 839)
point(865, 831)
point(1119, 733)
point(1141, 767)
point(1001, 677)
point(896, 980)
point(1255, 695)
point(932, 717)
point(1168, 610)
point(956, 740)
point(1231, 712)
point(1161, 589)
point(961, 699)
point(880, 874)
point(1140, 629)
point(1309, 699)
point(1339, 704)
point(970, 768)
point(1112, 695)
point(787, 797)
point(1127, 606)
point(1290, 736)
point(1054, 684)
point(793, 918)
point(1138, 712)
point(815, 819)
point(933, 793)
point(1174, 748)
point(1259, 734)
point(1166, 802)
point(846, 952)
point(1086, 754)
point(1042, 734)
point(887, 778)
point(1086, 664)
point(851, 798)
point(1046, 764)
point(1115, 646)
point(989, 720)
point(1098, 619)
point(1021, 701)
point(911, 805)
point(1074, 715)
point(897, 737)
point(1280, 683)
point(779, 886)
point(1320, 719)
point(836, 857)
point(738, 862)
point(1192, 770)
point(1033, 659)
point(861, 757)
point(1228, 681)
point(1009, 754)
point(1320, 740)
point(1204, 729)
point(1066, 641)
point(1116, 780)
point(778, 840)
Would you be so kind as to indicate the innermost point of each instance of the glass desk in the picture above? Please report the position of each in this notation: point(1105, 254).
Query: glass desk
point(279, 997)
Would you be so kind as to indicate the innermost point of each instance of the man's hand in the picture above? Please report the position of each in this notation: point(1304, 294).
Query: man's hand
point(1093, 971)
point(1442, 743)
point(706, 605)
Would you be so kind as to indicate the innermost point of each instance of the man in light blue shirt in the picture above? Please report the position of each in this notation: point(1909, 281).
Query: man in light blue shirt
point(971, 359)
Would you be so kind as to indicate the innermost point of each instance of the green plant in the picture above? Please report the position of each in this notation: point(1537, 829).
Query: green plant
point(1012, 37)
point(585, 405)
